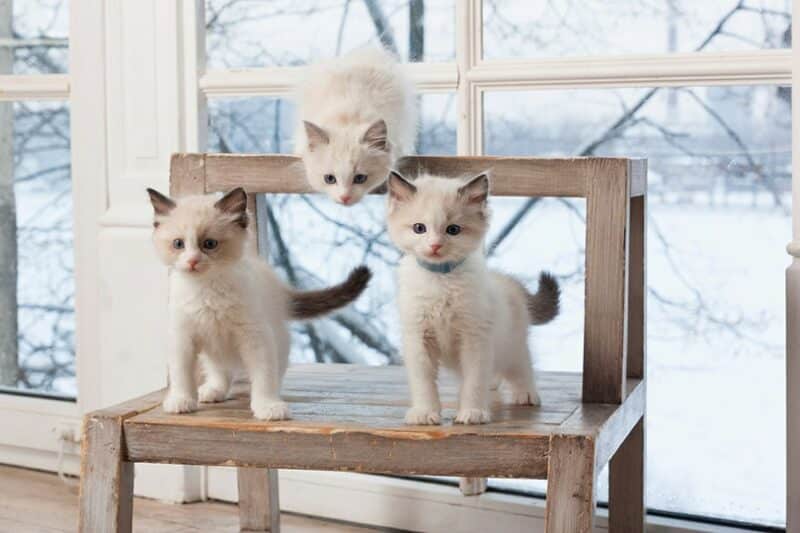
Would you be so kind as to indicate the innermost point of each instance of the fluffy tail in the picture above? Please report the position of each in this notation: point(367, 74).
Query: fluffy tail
point(311, 304)
point(544, 305)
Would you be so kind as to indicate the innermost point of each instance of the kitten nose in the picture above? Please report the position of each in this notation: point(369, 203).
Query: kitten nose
point(345, 198)
point(436, 247)
point(193, 263)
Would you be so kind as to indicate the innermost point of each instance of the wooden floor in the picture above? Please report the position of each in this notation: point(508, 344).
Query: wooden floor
point(33, 502)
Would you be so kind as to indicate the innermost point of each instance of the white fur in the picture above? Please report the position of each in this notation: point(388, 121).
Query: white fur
point(470, 320)
point(344, 96)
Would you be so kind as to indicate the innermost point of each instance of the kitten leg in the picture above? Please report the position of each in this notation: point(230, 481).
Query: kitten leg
point(523, 386)
point(476, 373)
point(182, 393)
point(217, 381)
point(425, 408)
point(264, 370)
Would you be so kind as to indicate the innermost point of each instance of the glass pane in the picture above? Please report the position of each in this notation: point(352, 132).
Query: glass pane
point(720, 173)
point(37, 344)
point(315, 242)
point(250, 33)
point(35, 40)
point(559, 28)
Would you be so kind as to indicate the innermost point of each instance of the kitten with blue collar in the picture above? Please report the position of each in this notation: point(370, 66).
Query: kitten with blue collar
point(454, 311)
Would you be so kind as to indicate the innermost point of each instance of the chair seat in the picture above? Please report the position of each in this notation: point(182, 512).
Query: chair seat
point(350, 418)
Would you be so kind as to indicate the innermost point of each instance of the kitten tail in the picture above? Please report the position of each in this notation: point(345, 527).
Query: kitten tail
point(311, 304)
point(544, 305)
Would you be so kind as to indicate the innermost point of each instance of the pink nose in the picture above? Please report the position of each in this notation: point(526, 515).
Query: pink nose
point(345, 199)
point(193, 263)
point(436, 247)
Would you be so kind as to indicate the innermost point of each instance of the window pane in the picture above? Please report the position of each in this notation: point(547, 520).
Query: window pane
point(250, 33)
point(37, 349)
point(37, 39)
point(315, 242)
point(519, 28)
point(719, 184)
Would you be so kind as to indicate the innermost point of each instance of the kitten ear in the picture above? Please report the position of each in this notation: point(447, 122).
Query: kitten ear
point(400, 189)
point(376, 136)
point(315, 135)
point(234, 203)
point(476, 190)
point(162, 205)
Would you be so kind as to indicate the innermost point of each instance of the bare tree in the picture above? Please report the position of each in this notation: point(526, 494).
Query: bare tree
point(8, 216)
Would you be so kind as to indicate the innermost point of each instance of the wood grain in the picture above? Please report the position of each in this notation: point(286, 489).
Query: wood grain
point(511, 176)
point(187, 174)
point(637, 287)
point(626, 490)
point(259, 507)
point(605, 317)
point(571, 485)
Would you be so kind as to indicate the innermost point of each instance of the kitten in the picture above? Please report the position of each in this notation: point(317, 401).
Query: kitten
point(227, 307)
point(454, 311)
point(358, 115)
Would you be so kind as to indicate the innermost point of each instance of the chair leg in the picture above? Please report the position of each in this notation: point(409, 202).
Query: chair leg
point(570, 485)
point(626, 509)
point(259, 507)
point(106, 490)
point(472, 486)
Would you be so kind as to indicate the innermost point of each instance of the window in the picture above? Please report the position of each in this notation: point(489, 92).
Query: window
point(708, 105)
point(37, 329)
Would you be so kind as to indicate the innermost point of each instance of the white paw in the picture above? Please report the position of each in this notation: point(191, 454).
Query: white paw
point(420, 416)
point(525, 398)
point(270, 410)
point(208, 393)
point(473, 416)
point(178, 403)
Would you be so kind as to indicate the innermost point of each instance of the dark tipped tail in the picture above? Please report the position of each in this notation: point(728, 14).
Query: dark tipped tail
point(312, 304)
point(544, 305)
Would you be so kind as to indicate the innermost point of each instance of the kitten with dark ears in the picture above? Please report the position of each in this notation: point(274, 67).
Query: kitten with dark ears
point(357, 116)
point(227, 307)
point(454, 311)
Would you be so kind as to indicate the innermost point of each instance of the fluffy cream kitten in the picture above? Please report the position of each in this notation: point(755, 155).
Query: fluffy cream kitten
point(454, 311)
point(227, 307)
point(358, 115)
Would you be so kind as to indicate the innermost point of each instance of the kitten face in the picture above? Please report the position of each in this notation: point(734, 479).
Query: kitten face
point(438, 219)
point(199, 234)
point(346, 163)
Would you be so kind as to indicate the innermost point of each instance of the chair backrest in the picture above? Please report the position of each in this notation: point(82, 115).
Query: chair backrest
point(614, 188)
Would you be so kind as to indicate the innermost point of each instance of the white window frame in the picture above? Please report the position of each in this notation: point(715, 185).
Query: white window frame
point(37, 429)
point(401, 502)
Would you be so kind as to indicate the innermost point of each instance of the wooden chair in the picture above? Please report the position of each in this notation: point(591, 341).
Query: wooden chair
point(350, 418)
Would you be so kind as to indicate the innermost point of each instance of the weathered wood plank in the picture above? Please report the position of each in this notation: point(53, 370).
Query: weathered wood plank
point(512, 176)
point(368, 452)
point(187, 174)
point(106, 484)
point(626, 497)
point(618, 424)
point(605, 317)
point(637, 287)
point(259, 507)
point(571, 485)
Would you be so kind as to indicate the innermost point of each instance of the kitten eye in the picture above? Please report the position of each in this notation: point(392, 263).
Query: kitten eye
point(419, 228)
point(177, 244)
point(359, 179)
point(330, 179)
point(453, 229)
point(210, 244)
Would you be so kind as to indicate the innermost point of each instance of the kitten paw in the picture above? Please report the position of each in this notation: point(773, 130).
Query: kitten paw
point(419, 416)
point(208, 393)
point(473, 416)
point(525, 398)
point(270, 410)
point(177, 403)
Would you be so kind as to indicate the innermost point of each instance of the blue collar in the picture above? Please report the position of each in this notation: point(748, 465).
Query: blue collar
point(440, 268)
